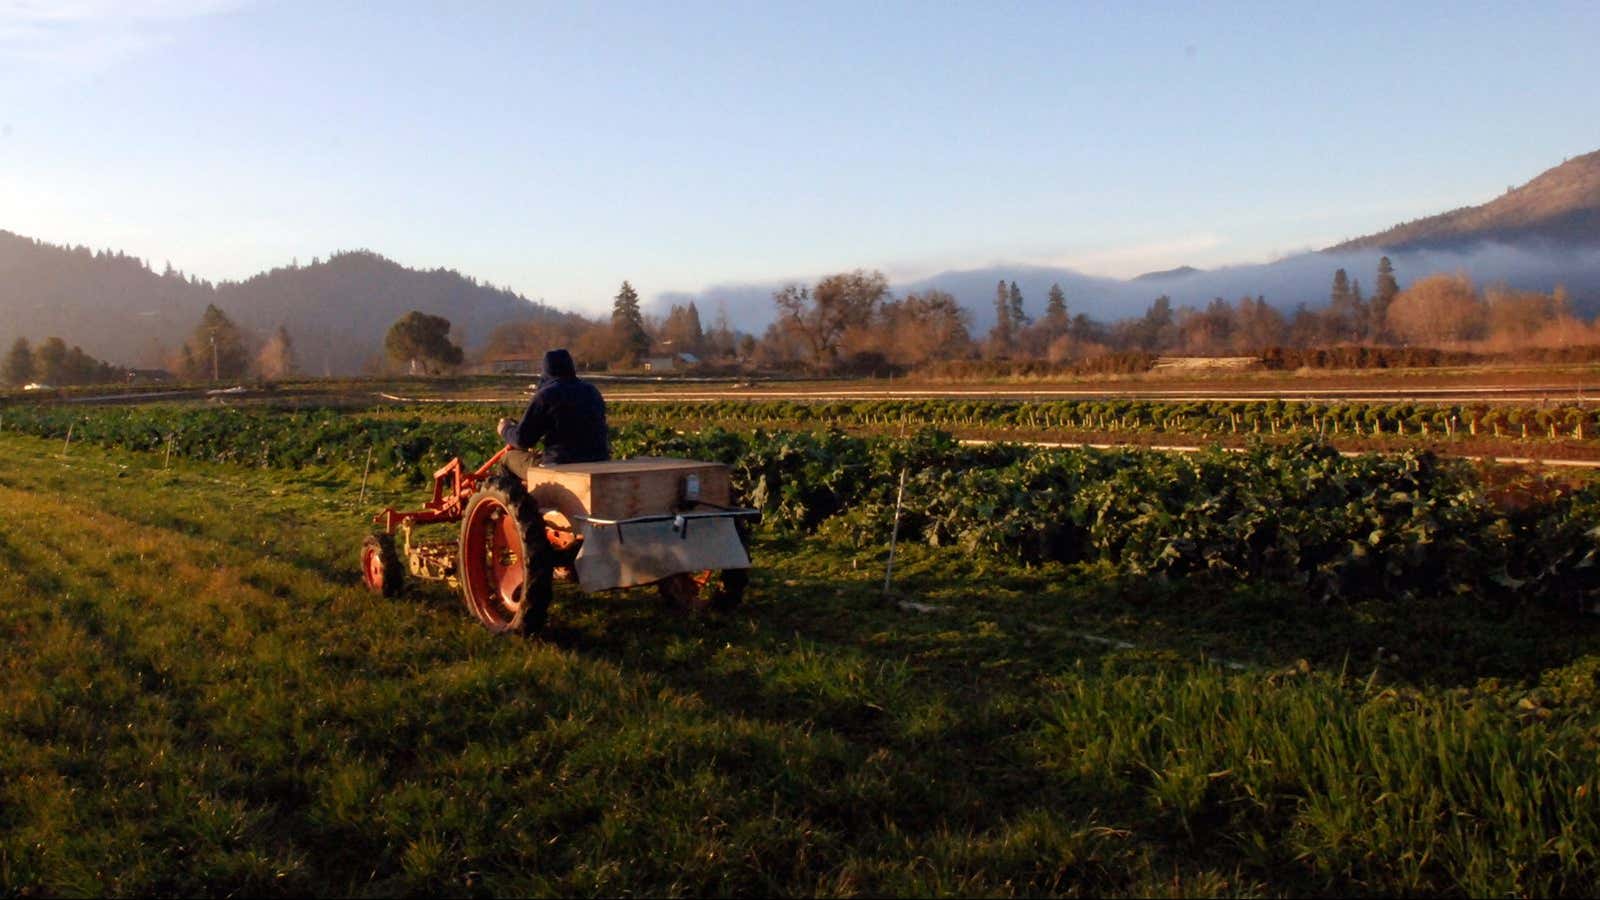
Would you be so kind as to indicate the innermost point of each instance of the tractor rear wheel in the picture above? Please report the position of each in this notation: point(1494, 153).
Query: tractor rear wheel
point(505, 567)
point(381, 568)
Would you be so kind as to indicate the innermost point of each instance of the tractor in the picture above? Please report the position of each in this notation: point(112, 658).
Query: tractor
point(603, 525)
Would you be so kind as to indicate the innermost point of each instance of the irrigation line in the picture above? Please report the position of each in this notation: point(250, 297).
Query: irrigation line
point(398, 399)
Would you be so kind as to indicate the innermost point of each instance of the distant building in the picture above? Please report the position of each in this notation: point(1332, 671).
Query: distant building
point(515, 366)
point(671, 363)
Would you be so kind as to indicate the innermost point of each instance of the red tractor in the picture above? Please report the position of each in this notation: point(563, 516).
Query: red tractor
point(604, 525)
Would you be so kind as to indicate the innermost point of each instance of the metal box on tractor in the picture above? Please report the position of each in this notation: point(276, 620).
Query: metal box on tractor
point(604, 525)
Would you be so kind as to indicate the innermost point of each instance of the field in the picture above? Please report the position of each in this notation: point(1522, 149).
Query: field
point(1277, 671)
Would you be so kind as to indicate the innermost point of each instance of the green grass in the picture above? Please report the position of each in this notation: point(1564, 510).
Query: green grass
point(197, 696)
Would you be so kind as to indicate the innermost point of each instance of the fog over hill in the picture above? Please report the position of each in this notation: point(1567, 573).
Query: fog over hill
point(1534, 237)
point(1286, 283)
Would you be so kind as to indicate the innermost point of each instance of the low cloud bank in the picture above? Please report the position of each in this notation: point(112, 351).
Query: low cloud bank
point(1285, 283)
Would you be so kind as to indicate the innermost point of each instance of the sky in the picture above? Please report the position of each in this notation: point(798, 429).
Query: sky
point(558, 149)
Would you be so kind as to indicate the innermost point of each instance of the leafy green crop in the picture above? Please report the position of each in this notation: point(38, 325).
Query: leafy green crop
point(1340, 527)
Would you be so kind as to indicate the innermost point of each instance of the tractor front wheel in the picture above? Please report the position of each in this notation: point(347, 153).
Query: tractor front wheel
point(505, 563)
point(381, 568)
point(710, 589)
point(706, 589)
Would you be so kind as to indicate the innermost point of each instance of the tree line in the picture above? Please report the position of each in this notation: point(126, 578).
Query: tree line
point(852, 323)
point(216, 350)
point(54, 363)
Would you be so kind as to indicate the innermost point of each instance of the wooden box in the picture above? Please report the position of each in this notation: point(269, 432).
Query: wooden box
point(622, 489)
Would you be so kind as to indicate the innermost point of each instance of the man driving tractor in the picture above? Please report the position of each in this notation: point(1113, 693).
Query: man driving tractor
point(566, 413)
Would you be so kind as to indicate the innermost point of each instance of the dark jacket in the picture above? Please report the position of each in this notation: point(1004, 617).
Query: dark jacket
point(567, 414)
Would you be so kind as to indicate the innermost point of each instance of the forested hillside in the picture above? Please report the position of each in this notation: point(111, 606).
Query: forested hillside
point(118, 308)
point(1560, 207)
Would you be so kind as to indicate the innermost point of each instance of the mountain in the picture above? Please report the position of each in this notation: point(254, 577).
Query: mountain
point(1165, 274)
point(336, 311)
point(1559, 208)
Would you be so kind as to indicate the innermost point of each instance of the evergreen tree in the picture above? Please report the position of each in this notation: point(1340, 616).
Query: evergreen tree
point(1055, 310)
point(1343, 318)
point(1003, 335)
point(1155, 328)
point(1019, 319)
point(1378, 312)
point(682, 329)
point(696, 332)
point(217, 347)
point(422, 343)
point(627, 326)
point(79, 367)
point(19, 363)
point(1340, 295)
point(50, 361)
point(1358, 303)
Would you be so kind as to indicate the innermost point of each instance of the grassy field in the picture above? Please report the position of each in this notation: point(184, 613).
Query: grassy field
point(198, 697)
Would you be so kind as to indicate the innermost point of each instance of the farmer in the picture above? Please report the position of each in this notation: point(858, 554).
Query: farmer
point(566, 413)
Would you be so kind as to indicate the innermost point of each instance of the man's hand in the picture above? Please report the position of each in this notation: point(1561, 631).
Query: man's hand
point(507, 429)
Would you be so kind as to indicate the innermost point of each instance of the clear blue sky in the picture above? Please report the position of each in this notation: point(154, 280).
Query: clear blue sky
point(560, 148)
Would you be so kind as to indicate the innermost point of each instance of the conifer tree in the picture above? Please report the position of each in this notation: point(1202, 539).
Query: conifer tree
point(1340, 295)
point(1382, 297)
point(696, 331)
point(1055, 310)
point(217, 347)
point(1019, 319)
point(627, 325)
point(1003, 334)
point(1343, 317)
point(19, 363)
point(1358, 303)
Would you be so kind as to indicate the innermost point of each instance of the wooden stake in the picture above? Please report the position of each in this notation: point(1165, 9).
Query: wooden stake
point(69, 438)
point(894, 534)
point(364, 476)
point(167, 460)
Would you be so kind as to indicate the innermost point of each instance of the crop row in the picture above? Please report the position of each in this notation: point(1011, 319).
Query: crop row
point(1336, 526)
point(1222, 417)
